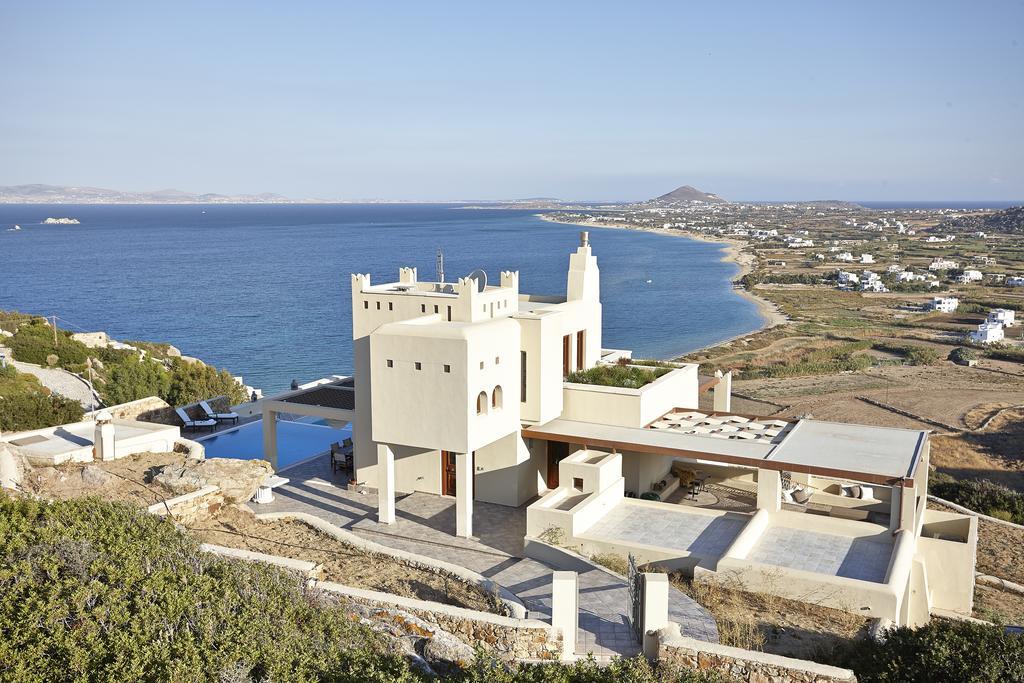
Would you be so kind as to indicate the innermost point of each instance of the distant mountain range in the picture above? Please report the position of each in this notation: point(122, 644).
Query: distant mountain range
point(687, 194)
point(57, 194)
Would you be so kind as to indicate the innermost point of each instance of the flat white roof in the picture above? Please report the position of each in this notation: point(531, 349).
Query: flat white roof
point(831, 448)
point(885, 451)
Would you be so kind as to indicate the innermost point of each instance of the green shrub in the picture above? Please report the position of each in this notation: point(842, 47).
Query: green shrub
point(632, 670)
point(941, 651)
point(35, 410)
point(963, 355)
point(1013, 354)
point(33, 342)
point(91, 590)
point(135, 378)
point(981, 496)
point(191, 382)
point(616, 376)
point(915, 354)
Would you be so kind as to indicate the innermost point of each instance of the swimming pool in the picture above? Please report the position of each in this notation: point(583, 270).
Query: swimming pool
point(296, 441)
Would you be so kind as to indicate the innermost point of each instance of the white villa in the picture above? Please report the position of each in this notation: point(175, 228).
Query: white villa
point(463, 389)
point(946, 304)
point(1015, 281)
point(969, 276)
point(942, 264)
point(1004, 316)
point(987, 333)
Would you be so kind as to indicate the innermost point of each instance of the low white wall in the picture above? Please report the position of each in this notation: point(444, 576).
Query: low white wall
point(589, 511)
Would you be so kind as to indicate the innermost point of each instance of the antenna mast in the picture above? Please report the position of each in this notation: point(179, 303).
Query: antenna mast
point(440, 265)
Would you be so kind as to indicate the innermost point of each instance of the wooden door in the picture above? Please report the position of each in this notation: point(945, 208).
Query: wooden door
point(566, 354)
point(581, 350)
point(448, 478)
point(557, 452)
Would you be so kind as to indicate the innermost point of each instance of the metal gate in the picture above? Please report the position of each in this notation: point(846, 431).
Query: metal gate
point(635, 584)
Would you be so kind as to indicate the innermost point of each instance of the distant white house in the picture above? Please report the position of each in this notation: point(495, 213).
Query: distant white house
point(847, 279)
point(946, 304)
point(894, 268)
point(987, 333)
point(867, 258)
point(969, 276)
point(875, 285)
point(1015, 282)
point(1003, 316)
point(942, 264)
point(845, 256)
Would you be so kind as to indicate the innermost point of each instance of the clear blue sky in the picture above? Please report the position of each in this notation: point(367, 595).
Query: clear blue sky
point(438, 100)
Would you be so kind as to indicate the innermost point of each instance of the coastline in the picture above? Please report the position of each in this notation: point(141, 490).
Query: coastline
point(732, 251)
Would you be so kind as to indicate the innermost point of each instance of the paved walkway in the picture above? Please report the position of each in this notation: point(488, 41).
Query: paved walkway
point(425, 525)
point(56, 380)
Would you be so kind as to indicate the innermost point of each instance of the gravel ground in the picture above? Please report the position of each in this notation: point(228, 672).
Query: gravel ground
point(58, 381)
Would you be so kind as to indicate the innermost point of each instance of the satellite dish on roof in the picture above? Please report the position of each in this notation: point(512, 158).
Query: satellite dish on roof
point(481, 279)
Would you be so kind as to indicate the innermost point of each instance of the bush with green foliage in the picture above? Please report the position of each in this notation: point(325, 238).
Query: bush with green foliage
point(191, 382)
point(624, 376)
point(915, 354)
point(135, 378)
point(981, 496)
point(33, 342)
point(91, 590)
point(1012, 354)
point(963, 355)
point(943, 650)
point(26, 404)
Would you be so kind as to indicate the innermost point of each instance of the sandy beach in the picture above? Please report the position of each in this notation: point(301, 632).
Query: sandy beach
point(732, 250)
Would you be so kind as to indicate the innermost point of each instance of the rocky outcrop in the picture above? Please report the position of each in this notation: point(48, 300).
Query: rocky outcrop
point(236, 479)
point(13, 466)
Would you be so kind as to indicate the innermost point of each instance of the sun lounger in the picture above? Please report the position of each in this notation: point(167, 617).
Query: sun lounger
point(194, 424)
point(219, 417)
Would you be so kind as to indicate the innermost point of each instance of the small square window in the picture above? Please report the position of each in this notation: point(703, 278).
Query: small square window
point(391, 363)
point(378, 305)
point(577, 483)
point(391, 306)
point(419, 365)
point(366, 304)
point(423, 308)
point(481, 365)
point(497, 360)
point(447, 368)
point(435, 308)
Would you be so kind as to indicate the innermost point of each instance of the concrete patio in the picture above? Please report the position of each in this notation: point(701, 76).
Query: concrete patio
point(425, 524)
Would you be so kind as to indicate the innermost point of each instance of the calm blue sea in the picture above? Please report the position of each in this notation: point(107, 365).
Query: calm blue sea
point(264, 290)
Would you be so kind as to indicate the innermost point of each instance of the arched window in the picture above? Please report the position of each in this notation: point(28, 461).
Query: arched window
point(481, 403)
point(496, 397)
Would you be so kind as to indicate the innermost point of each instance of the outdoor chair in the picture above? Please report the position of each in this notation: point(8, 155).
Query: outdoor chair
point(341, 455)
point(219, 417)
point(194, 424)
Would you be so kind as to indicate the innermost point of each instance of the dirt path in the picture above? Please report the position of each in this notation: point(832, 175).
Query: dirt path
point(56, 380)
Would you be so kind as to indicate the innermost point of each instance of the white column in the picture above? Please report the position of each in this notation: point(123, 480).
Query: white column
point(902, 510)
point(655, 611)
point(464, 494)
point(103, 437)
point(385, 484)
point(270, 437)
point(565, 610)
point(769, 490)
point(721, 393)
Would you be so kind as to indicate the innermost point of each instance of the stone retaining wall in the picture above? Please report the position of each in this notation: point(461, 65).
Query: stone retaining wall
point(749, 666)
point(191, 507)
point(506, 637)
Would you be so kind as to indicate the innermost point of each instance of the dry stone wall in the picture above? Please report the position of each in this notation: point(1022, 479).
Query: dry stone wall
point(749, 666)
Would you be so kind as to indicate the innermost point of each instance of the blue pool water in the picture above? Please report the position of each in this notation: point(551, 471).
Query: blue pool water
point(296, 441)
